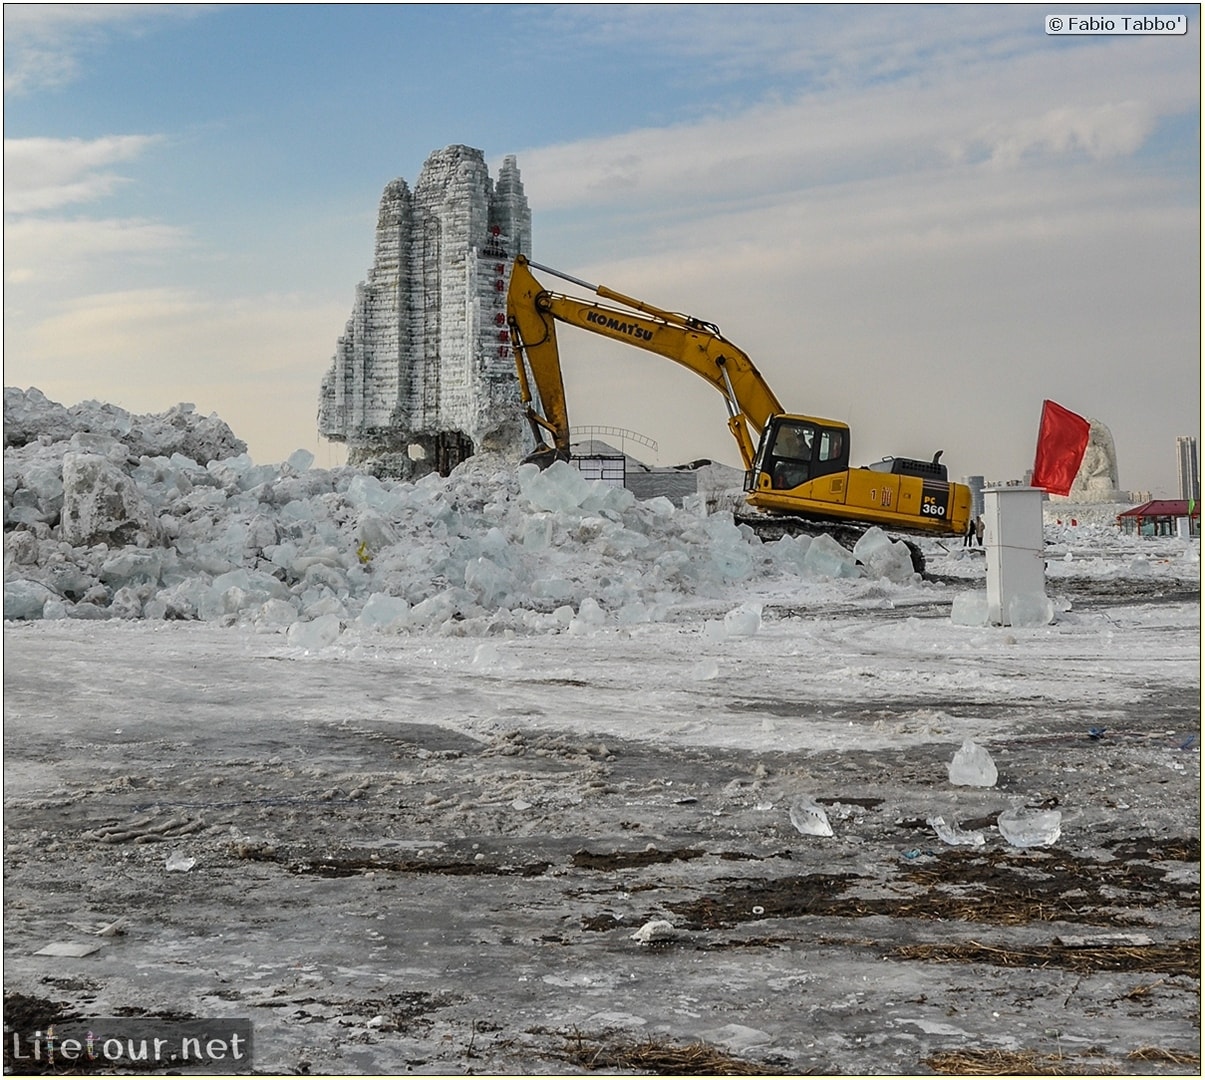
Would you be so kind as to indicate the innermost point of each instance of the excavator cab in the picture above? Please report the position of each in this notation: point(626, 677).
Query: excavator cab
point(796, 449)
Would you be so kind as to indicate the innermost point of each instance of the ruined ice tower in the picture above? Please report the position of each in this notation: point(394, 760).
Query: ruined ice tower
point(423, 375)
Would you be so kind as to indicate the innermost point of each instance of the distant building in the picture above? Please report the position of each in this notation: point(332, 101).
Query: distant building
point(708, 484)
point(1161, 517)
point(976, 484)
point(1186, 460)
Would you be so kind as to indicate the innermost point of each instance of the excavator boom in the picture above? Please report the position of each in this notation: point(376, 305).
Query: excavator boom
point(533, 312)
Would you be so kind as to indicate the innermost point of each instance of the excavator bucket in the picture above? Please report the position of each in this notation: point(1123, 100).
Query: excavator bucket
point(544, 457)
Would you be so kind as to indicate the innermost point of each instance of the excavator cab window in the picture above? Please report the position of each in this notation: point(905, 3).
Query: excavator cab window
point(832, 447)
point(796, 451)
point(788, 456)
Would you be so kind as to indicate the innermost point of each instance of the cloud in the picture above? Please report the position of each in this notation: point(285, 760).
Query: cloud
point(46, 45)
point(822, 47)
point(142, 327)
point(1102, 131)
point(45, 174)
point(57, 251)
point(1067, 105)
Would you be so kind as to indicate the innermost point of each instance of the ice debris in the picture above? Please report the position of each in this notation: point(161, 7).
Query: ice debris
point(969, 609)
point(178, 861)
point(972, 766)
point(112, 515)
point(656, 931)
point(1024, 609)
point(1025, 828)
point(953, 835)
point(825, 558)
point(884, 557)
point(742, 621)
point(809, 817)
point(1030, 609)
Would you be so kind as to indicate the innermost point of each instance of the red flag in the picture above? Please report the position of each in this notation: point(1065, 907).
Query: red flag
point(1062, 440)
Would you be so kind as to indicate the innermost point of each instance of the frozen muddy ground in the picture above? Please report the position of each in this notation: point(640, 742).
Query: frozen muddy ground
point(419, 855)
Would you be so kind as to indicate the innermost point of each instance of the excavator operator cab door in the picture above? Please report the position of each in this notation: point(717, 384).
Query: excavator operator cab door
point(795, 450)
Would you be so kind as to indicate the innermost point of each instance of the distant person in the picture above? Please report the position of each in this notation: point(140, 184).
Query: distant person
point(969, 540)
point(979, 530)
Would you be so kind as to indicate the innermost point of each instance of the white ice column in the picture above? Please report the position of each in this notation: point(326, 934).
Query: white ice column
point(1015, 551)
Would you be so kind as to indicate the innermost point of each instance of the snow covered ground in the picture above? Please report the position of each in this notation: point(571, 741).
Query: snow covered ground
point(435, 753)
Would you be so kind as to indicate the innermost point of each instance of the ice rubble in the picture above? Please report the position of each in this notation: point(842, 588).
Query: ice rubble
point(972, 766)
point(111, 515)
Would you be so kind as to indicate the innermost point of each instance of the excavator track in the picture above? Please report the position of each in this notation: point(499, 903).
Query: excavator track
point(770, 527)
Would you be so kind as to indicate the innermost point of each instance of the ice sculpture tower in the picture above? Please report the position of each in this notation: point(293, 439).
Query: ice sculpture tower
point(423, 375)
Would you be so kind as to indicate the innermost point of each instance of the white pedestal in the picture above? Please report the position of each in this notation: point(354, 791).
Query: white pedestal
point(1014, 547)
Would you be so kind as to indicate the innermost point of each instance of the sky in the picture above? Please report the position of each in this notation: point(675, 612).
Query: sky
point(921, 220)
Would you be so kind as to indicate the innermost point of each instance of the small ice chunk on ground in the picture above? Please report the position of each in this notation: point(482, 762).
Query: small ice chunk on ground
point(1030, 609)
point(178, 861)
point(951, 834)
point(972, 766)
point(809, 818)
point(315, 635)
point(1025, 828)
point(743, 621)
point(636, 612)
point(655, 930)
point(488, 657)
point(969, 609)
point(739, 1039)
point(590, 617)
point(705, 670)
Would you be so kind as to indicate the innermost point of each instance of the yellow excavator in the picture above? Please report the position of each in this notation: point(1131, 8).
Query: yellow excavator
point(797, 471)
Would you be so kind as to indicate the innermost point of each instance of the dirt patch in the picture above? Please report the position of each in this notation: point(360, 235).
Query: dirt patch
point(1183, 958)
point(332, 867)
point(657, 1057)
point(1003, 886)
point(624, 860)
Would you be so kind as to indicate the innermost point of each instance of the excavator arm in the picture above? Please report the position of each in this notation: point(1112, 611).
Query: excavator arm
point(533, 312)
